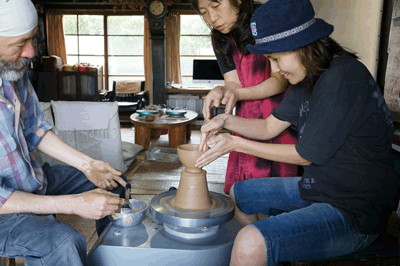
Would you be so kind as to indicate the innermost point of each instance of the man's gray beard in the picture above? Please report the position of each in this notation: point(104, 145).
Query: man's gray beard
point(9, 72)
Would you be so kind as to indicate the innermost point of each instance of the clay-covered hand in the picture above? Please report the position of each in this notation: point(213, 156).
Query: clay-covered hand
point(221, 145)
point(96, 204)
point(103, 175)
point(220, 95)
point(209, 129)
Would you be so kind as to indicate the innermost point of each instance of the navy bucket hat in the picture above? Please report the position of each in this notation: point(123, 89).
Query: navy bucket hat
point(286, 25)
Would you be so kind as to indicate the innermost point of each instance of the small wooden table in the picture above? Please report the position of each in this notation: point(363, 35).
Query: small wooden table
point(178, 128)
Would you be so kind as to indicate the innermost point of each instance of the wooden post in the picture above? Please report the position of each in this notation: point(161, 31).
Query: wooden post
point(7, 262)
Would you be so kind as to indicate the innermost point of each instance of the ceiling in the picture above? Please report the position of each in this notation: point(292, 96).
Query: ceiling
point(86, 4)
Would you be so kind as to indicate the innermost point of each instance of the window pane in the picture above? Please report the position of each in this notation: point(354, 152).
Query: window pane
point(69, 24)
point(93, 60)
point(111, 79)
point(125, 45)
point(193, 25)
point(187, 81)
point(187, 65)
point(91, 24)
point(91, 45)
point(71, 44)
point(196, 45)
point(130, 65)
point(125, 25)
point(72, 60)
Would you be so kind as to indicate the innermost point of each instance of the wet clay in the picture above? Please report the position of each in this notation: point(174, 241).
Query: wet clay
point(192, 192)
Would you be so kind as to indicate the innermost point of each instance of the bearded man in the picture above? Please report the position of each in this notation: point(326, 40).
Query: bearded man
point(30, 193)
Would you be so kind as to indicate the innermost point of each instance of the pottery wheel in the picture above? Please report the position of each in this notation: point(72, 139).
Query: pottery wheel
point(222, 210)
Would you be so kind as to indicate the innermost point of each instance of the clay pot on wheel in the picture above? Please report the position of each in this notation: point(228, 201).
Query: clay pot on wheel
point(188, 154)
point(192, 192)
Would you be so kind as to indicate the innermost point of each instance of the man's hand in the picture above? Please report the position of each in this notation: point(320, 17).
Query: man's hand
point(103, 175)
point(209, 129)
point(221, 145)
point(96, 204)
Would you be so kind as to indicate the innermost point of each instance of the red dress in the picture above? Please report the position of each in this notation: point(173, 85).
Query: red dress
point(252, 70)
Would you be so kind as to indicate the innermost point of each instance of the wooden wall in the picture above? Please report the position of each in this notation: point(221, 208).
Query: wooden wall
point(392, 84)
point(357, 26)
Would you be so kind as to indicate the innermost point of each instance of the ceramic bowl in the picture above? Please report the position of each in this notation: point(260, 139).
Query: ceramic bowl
point(137, 215)
point(143, 113)
point(176, 112)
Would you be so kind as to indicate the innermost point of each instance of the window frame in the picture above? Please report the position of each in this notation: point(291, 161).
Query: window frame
point(105, 35)
point(193, 56)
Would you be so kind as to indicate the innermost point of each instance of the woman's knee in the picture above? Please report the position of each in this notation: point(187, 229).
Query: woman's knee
point(232, 193)
point(250, 244)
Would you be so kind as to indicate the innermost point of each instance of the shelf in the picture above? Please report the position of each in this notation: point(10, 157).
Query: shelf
point(188, 91)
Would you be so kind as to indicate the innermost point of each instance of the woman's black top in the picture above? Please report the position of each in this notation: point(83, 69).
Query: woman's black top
point(345, 129)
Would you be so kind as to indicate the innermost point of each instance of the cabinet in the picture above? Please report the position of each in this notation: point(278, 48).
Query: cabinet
point(192, 99)
point(47, 87)
point(70, 85)
point(80, 85)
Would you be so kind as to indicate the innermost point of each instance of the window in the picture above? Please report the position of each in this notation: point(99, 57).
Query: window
point(81, 32)
point(195, 43)
point(116, 42)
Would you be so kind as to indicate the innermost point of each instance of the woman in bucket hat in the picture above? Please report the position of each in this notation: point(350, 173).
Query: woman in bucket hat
point(349, 187)
point(248, 84)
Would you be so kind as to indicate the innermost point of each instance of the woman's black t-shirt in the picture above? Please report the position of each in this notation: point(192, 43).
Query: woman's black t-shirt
point(345, 129)
point(224, 69)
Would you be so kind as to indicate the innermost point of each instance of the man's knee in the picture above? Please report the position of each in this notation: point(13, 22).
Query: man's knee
point(43, 237)
point(71, 250)
point(76, 240)
point(68, 239)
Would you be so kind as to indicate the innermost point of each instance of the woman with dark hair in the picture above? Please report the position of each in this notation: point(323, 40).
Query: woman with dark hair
point(349, 187)
point(248, 84)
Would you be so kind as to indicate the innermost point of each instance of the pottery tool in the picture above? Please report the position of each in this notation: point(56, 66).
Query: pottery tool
point(126, 208)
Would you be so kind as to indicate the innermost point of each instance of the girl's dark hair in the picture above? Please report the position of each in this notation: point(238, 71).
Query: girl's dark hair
point(240, 32)
point(316, 58)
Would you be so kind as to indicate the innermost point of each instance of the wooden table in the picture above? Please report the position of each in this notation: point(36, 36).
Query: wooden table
point(178, 128)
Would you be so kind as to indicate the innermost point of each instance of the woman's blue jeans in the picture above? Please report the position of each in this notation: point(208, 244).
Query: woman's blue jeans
point(297, 230)
point(41, 239)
